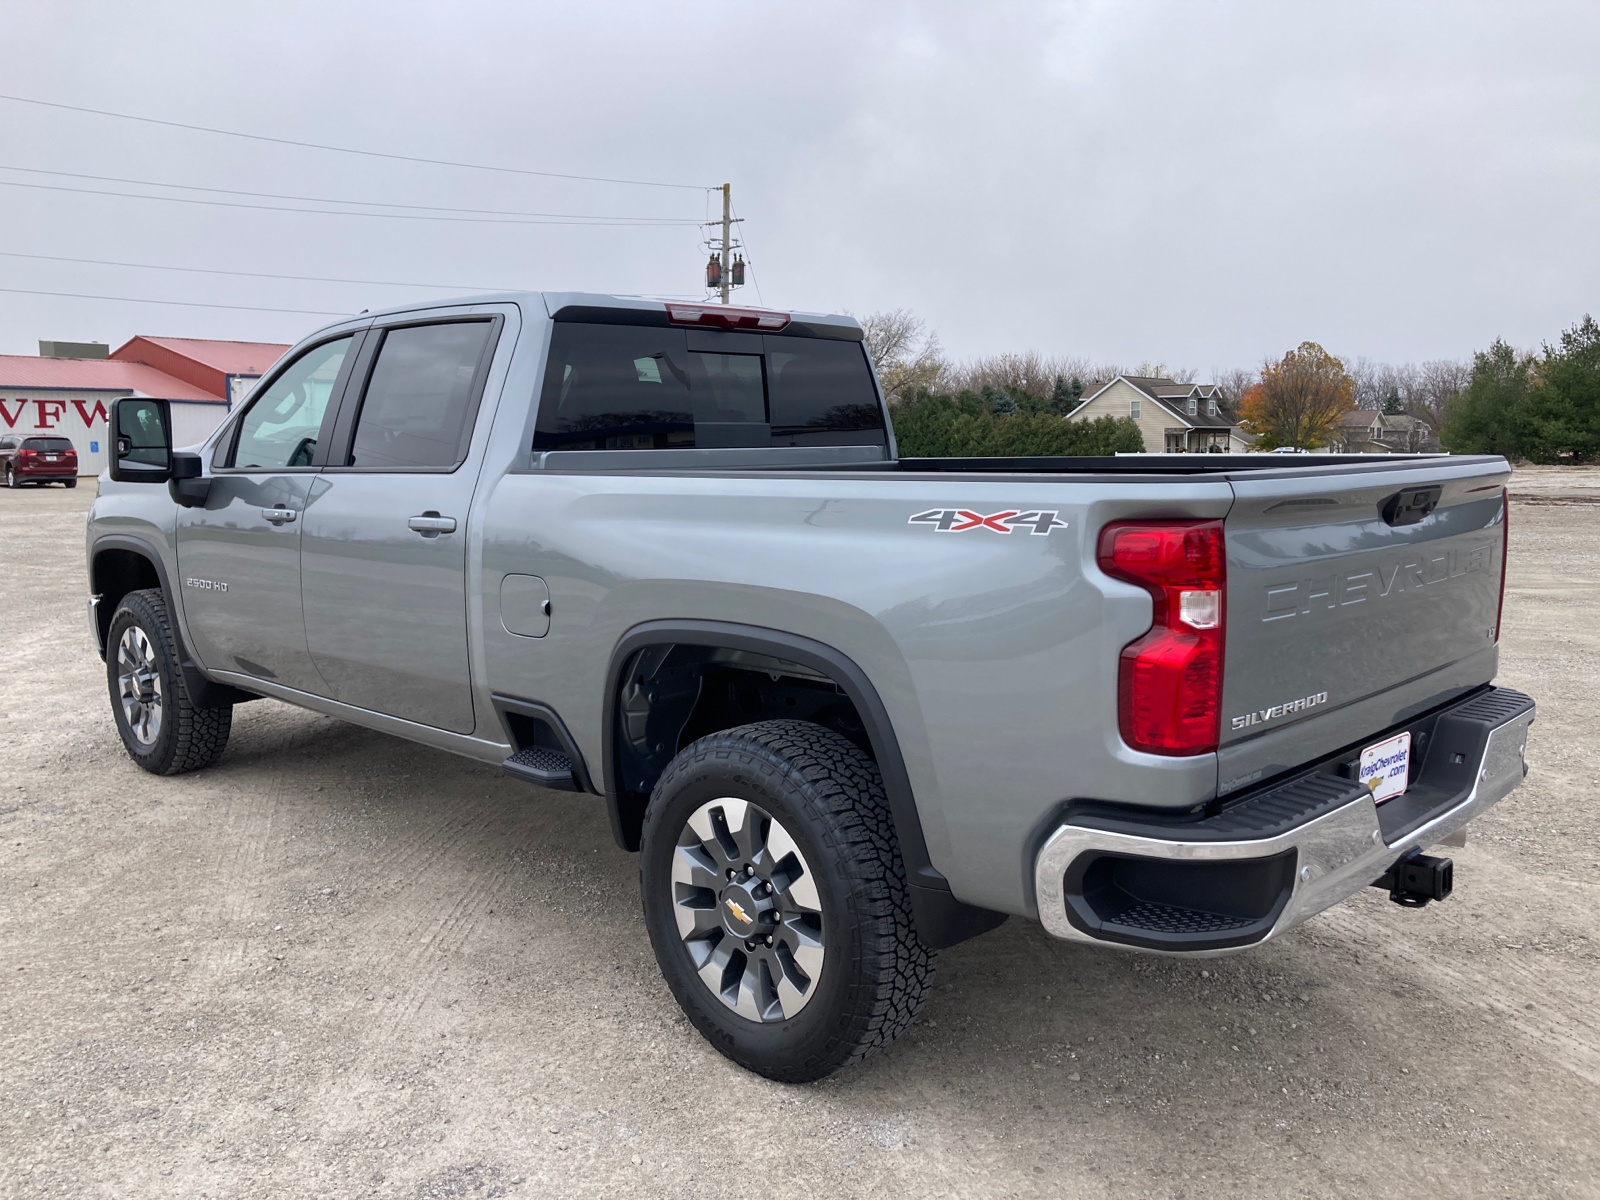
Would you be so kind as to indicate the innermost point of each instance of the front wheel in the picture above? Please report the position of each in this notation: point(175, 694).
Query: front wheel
point(162, 730)
point(11, 477)
point(777, 902)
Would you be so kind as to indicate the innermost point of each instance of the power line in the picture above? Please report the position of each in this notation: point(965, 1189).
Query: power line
point(310, 312)
point(257, 137)
point(102, 262)
point(490, 212)
point(752, 266)
point(339, 212)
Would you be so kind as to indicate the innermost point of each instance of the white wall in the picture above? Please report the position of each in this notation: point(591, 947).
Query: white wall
point(193, 423)
point(81, 416)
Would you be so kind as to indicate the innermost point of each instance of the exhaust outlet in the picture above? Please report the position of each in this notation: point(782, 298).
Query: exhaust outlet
point(1417, 879)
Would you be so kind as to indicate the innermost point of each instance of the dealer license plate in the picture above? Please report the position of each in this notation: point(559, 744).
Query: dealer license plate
point(1386, 767)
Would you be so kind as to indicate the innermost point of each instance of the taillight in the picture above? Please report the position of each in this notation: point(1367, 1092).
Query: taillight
point(27, 453)
point(1169, 688)
point(722, 316)
point(1505, 561)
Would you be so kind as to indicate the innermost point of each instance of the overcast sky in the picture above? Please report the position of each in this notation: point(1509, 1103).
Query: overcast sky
point(1200, 184)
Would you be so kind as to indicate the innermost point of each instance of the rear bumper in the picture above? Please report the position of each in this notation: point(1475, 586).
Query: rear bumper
point(1273, 858)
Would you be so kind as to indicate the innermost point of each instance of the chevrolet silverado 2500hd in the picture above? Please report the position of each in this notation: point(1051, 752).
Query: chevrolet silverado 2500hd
point(848, 707)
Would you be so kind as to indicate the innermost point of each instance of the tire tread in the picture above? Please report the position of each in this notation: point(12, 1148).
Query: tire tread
point(202, 733)
point(842, 790)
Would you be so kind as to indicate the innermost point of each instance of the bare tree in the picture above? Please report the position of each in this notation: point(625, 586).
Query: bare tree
point(905, 353)
point(1234, 382)
point(1437, 383)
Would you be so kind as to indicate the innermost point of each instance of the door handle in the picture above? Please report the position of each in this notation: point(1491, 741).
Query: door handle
point(431, 524)
point(279, 516)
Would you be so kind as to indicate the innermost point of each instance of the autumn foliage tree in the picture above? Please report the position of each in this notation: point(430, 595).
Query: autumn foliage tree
point(1298, 398)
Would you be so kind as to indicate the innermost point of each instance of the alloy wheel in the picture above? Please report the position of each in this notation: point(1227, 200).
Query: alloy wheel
point(139, 685)
point(747, 909)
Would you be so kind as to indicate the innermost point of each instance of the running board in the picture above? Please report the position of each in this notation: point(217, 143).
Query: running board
point(547, 768)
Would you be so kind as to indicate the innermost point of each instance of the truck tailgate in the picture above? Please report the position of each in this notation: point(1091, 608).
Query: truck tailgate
point(1353, 605)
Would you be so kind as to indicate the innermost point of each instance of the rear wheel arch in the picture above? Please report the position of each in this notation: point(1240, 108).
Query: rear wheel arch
point(942, 920)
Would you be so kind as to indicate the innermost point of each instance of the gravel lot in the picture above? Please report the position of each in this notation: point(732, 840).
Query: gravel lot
point(338, 964)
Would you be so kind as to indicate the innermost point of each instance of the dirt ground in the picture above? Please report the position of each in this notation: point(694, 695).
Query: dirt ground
point(341, 965)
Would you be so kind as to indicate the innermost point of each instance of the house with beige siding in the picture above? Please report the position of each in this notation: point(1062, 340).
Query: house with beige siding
point(1175, 418)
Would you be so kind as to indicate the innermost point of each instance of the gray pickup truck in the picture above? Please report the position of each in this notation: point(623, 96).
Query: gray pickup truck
point(848, 707)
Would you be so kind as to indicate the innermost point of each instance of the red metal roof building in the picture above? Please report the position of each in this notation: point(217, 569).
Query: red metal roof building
point(68, 396)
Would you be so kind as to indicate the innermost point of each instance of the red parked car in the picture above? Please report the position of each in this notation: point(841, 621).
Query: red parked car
point(39, 460)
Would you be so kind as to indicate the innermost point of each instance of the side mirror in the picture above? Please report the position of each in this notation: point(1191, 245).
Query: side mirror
point(188, 485)
point(141, 441)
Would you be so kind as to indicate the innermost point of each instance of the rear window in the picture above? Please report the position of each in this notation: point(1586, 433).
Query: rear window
point(52, 444)
point(632, 387)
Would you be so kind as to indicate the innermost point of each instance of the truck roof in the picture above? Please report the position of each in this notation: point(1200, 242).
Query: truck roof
point(553, 302)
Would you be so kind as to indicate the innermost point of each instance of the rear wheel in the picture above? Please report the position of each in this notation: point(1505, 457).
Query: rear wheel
point(162, 730)
point(72, 483)
point(777, 902)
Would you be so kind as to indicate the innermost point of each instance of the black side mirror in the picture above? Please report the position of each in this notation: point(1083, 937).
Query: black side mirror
point(188, 485)
point(141, 440)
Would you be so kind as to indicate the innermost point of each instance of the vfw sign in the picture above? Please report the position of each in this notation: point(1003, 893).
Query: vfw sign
point(83, 419)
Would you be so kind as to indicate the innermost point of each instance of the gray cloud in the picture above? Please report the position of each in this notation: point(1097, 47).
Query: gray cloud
point(1194, 183)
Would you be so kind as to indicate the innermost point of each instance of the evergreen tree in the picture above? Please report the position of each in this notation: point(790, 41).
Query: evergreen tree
point(1393, 406)
point(966, 425)
point(1066, 394)
point(1486, 416)
point(1561, 421)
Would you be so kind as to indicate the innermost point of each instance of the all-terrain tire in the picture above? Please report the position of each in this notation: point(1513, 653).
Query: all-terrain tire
point(828, 797)
point(185, 737)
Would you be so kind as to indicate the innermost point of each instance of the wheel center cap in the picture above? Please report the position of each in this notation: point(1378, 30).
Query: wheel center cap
point(744, 914)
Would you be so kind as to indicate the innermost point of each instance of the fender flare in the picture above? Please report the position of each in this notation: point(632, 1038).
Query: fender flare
point(941, 919)
point(203, 692)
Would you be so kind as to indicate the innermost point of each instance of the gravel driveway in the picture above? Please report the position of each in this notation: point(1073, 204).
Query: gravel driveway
point(339, 964)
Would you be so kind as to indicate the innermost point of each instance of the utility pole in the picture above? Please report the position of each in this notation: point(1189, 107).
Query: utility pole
point(725, 269)
point(727, 240)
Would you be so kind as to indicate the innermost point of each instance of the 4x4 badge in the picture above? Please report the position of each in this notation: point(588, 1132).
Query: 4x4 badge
point(960, 520)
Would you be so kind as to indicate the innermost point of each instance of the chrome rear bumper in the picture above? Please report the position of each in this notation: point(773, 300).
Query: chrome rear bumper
point(1335, 855)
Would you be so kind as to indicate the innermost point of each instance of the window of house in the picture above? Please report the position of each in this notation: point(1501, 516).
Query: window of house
point(1133, 409)
point(1211, 407)
point(1194, 406)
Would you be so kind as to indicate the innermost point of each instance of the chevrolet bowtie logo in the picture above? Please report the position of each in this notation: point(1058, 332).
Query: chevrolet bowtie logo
point(738, 911)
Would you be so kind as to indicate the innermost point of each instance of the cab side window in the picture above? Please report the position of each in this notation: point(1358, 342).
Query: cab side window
point(421, 396)
point(281, 427)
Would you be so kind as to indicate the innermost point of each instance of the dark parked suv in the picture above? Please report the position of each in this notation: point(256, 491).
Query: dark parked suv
point(39, 460)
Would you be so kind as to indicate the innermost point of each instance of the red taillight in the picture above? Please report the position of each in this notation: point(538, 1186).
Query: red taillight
point(1169, 691)
point(722, 316)
point(1505, 560)
point(27, 454)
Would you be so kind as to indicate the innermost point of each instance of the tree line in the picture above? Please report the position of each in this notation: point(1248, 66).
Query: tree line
point(1544, 407)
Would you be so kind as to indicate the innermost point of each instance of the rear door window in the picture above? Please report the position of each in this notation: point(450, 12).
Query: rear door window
point(636, 387)
point(421, 396)
point(615, 387)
